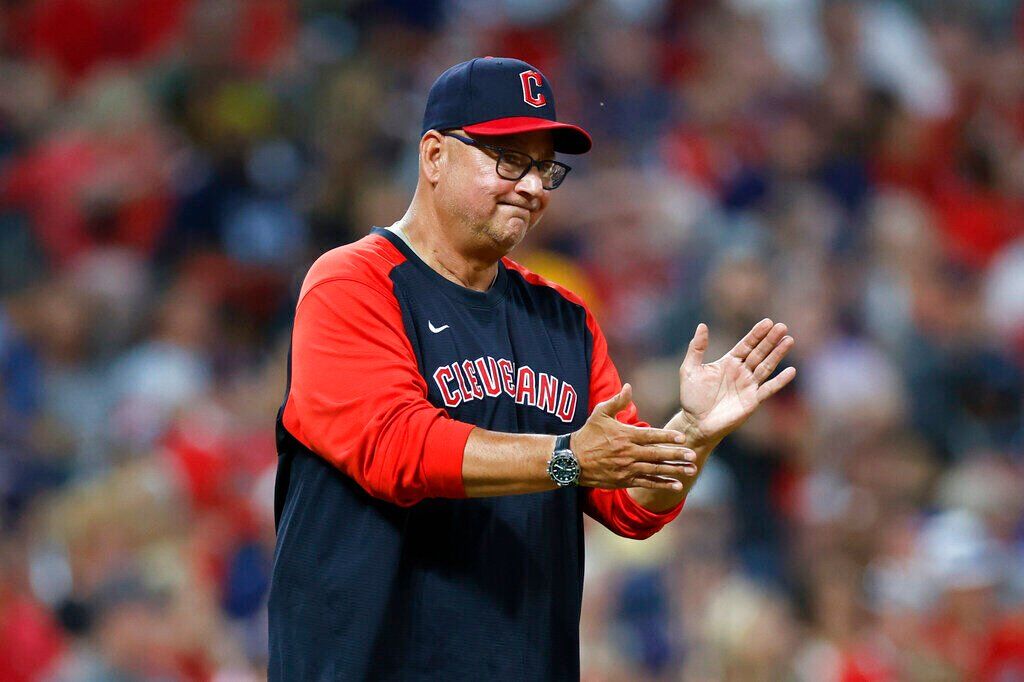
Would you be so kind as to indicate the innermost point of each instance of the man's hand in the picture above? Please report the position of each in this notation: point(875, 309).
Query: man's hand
point(616, 455)
point(716, 398)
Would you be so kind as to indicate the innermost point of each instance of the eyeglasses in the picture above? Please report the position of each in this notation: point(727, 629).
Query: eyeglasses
point(513, 165)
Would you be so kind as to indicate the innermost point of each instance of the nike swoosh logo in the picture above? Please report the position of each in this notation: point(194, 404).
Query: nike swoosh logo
point(434, 329)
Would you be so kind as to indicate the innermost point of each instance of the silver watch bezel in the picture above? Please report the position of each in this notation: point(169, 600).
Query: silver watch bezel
point(563, 457)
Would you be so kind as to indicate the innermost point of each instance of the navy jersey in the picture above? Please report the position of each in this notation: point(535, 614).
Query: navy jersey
point(383, 568)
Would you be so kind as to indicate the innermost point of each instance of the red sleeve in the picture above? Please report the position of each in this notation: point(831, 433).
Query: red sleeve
point(357, 398)
point(616, 509)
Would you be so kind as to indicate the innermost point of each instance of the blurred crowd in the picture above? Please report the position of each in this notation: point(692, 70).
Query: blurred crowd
point(855, 168)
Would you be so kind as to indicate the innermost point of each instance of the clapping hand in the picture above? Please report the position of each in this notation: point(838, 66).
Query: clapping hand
point(717, 397)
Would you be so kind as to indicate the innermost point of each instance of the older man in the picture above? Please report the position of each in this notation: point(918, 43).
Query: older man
point(451, 416)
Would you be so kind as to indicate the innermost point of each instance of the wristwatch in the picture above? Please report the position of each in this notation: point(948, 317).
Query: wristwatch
point(563, 467)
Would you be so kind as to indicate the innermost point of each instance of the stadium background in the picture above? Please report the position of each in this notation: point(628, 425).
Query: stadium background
point(169, 168)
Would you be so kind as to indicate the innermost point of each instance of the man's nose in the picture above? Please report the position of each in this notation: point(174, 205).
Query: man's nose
point(531, 183)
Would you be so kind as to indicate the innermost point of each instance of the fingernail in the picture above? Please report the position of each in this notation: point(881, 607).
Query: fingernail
point(680, 438)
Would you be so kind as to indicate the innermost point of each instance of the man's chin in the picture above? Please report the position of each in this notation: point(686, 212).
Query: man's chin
point(508, 235)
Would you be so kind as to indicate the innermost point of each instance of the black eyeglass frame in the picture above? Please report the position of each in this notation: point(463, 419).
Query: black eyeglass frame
point(501, 151)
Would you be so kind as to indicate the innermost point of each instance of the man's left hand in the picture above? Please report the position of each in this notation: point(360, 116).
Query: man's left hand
point(716, 398)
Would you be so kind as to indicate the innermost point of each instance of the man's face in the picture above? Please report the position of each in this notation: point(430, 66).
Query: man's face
point(496, 213)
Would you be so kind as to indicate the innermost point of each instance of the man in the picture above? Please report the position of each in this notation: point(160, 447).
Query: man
point(430, 522)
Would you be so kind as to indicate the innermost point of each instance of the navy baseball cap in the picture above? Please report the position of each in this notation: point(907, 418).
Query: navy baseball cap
point(499, 96)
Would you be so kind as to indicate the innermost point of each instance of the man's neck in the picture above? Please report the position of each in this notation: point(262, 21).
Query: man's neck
point(434, 247)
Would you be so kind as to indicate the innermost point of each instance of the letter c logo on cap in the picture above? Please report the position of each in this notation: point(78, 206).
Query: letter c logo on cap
point(531, 80)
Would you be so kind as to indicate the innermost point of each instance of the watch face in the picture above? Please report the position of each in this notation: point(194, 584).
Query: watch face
point(564, 468)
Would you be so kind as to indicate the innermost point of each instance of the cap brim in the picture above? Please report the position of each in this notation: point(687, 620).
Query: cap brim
point(569, 139)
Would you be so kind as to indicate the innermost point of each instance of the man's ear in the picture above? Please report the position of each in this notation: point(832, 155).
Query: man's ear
point(432, 155)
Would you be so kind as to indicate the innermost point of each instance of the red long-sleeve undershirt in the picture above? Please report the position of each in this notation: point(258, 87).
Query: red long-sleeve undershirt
point(357, 398)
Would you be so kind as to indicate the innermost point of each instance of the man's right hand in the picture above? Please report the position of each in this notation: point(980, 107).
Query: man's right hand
point(612, 454)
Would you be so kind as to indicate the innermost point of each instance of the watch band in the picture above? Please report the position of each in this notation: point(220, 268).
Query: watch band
point(562, 442)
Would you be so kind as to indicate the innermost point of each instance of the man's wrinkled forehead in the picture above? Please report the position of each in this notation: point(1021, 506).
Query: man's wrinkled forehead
point(539, 144)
